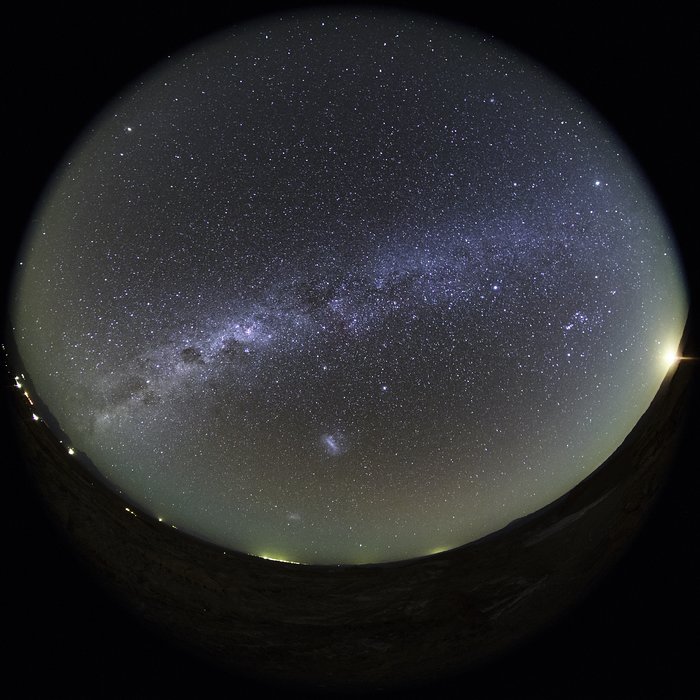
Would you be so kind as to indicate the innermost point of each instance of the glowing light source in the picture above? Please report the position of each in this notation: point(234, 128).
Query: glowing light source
point(34, 416)
point(71, 451)
point(671, 357)
point(277, 557)
point(437, 550)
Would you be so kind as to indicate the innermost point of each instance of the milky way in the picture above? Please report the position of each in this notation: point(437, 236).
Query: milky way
point(347, 287)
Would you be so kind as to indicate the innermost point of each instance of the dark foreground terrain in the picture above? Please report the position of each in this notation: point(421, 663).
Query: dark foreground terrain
point(335, 627)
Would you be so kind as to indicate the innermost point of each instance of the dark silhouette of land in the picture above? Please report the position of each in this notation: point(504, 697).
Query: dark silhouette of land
point(360, 626)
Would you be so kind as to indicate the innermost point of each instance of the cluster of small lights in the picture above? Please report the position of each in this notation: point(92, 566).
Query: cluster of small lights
point(348, 286)
point(35, 417)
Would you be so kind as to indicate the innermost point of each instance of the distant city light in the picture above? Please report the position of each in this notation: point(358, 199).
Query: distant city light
point(437, 550)
point(277, 557)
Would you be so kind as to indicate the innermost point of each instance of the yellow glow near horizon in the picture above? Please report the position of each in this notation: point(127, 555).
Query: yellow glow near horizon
point(437, 550)
point(671, 357)
point(276, 557)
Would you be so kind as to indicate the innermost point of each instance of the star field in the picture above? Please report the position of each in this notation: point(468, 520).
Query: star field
point(347, 287)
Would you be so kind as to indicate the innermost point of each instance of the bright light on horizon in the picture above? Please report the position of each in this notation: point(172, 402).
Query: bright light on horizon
point(670, 357)
point(437, 550)
point(276, 557)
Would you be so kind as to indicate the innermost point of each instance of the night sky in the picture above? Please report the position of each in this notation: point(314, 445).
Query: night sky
point(347, 288)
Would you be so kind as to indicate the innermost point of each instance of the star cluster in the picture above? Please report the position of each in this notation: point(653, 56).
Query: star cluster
point(347, 287)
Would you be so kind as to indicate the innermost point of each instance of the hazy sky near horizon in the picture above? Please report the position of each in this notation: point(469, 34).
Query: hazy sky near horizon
point(347, 287)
